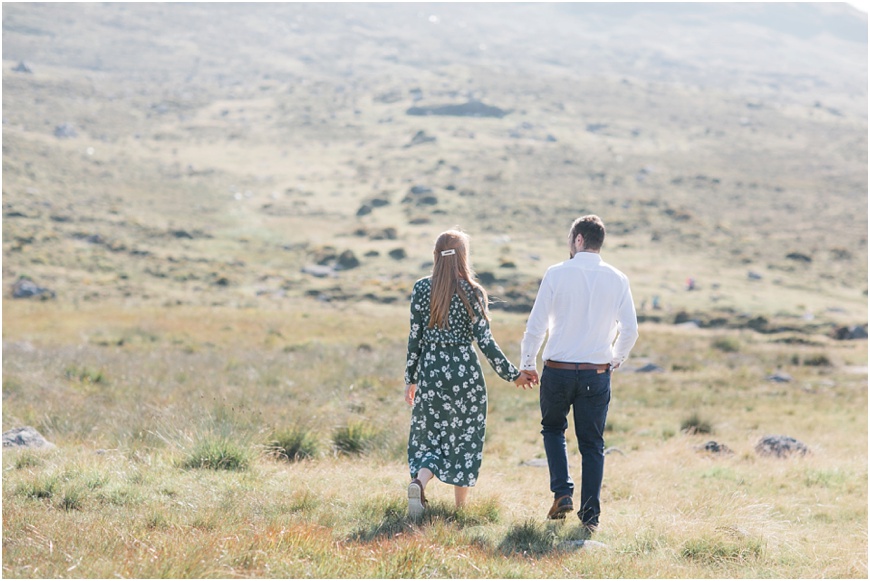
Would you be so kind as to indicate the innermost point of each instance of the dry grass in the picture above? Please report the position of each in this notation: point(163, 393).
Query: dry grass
point(124, 478)
point(187, 357)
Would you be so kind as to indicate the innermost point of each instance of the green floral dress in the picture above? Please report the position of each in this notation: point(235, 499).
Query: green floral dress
point(448, 421)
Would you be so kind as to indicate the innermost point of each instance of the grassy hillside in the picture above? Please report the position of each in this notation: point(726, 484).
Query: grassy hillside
point(230, 203)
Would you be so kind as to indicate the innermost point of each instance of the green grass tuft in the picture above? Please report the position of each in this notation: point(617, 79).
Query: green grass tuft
point(296, 443)
point(41, 487)
point(695, 424)
point(86, 375)
point(528, 538)
point(218, 453)
point(356, 438)
point(727, 344)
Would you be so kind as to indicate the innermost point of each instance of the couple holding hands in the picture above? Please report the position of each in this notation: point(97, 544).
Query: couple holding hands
point(585, 311)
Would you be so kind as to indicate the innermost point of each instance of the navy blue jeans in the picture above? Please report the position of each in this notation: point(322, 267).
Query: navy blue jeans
point(588, 392)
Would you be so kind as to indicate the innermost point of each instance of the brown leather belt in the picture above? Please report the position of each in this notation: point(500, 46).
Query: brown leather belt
point(601, 367)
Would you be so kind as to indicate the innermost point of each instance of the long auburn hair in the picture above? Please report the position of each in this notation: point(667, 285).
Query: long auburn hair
point(447, 271)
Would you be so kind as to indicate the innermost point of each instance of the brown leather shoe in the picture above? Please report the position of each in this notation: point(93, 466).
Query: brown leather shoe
point(416, 499)
point(561, 506)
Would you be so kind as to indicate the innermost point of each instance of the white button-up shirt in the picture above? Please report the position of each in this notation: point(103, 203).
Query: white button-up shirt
point(586, 307)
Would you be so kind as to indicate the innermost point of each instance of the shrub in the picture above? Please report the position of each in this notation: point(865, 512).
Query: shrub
point(528, 538)
point(39, 487)
point(28, 459)
point(72, 498)
point(694, 424)
point(355, 438)
point(727, 344)
point(294, 443)
point(217, 453)
point(715, 550)
point(86, 375)
point(817, 360)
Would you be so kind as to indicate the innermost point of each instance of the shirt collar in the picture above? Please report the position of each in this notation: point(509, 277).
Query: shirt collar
point(586, 258)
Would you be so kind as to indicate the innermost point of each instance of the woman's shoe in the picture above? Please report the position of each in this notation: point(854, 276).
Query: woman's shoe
point(416, 499)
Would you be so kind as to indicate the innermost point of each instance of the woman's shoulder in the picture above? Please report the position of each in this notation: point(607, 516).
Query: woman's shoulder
point(423, 283)
point(471, 289)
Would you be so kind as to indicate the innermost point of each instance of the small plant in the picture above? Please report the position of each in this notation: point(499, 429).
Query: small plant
point(528, 538)
point(716, 550)
point(355, 438)
point(694, 424)
point(86, 375)
point(40, 487)
point(727, 344)
point(817, 360)
point(28, 460)
point(72, 498)
point(217, 453)
point(293, 444)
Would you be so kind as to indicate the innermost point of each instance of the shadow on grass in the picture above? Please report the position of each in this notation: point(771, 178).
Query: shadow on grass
point(387, 518)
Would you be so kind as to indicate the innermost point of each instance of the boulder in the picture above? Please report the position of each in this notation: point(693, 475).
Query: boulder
point(418, 190)
point(469, 109)
point(649, 368)
point(780, 447)
point(851, 332)
point(348, 260)
point(419, 138)
point(65, 131)
point(22, 67)
point(398, 253)
point(24, 288)
point(25, 437)
point(318, 270)
point(779, 377)
point(714, 447)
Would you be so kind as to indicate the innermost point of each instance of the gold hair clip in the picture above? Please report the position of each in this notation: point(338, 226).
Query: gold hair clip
point(448, 252)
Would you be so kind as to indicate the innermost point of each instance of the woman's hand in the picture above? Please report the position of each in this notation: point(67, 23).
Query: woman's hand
point(410, 391)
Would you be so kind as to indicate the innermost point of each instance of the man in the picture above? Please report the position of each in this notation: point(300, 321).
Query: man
point(585, 306)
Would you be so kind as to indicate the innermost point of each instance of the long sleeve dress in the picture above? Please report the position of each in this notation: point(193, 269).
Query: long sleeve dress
point(448, 421)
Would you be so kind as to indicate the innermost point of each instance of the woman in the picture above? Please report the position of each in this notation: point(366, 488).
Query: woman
point(443, 378)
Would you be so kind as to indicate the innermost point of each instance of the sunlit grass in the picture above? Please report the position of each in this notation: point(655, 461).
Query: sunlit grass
point(184, 455)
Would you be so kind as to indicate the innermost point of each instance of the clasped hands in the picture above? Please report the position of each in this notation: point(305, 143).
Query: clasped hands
point(527, 379)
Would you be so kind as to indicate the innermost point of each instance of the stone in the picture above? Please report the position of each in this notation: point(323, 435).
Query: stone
point(581, 544)
point(714, 447)
point(649, 368)
point(65, 131)
point(347, 260)
point(24, 288)
point(319, 270)
point(469, 109)
point(398, 253)
point(779, 377)
point(25, 437)
point(419, 138)
point(418, 190)
point(780, 447)
point(851, 332)
point(22, 67)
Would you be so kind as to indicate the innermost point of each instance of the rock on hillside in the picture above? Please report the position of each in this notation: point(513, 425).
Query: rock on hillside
point(469, 109)
point(25, 437)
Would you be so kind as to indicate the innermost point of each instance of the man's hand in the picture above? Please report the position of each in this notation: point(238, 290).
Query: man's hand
point(527, 379)
point(410, 392)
